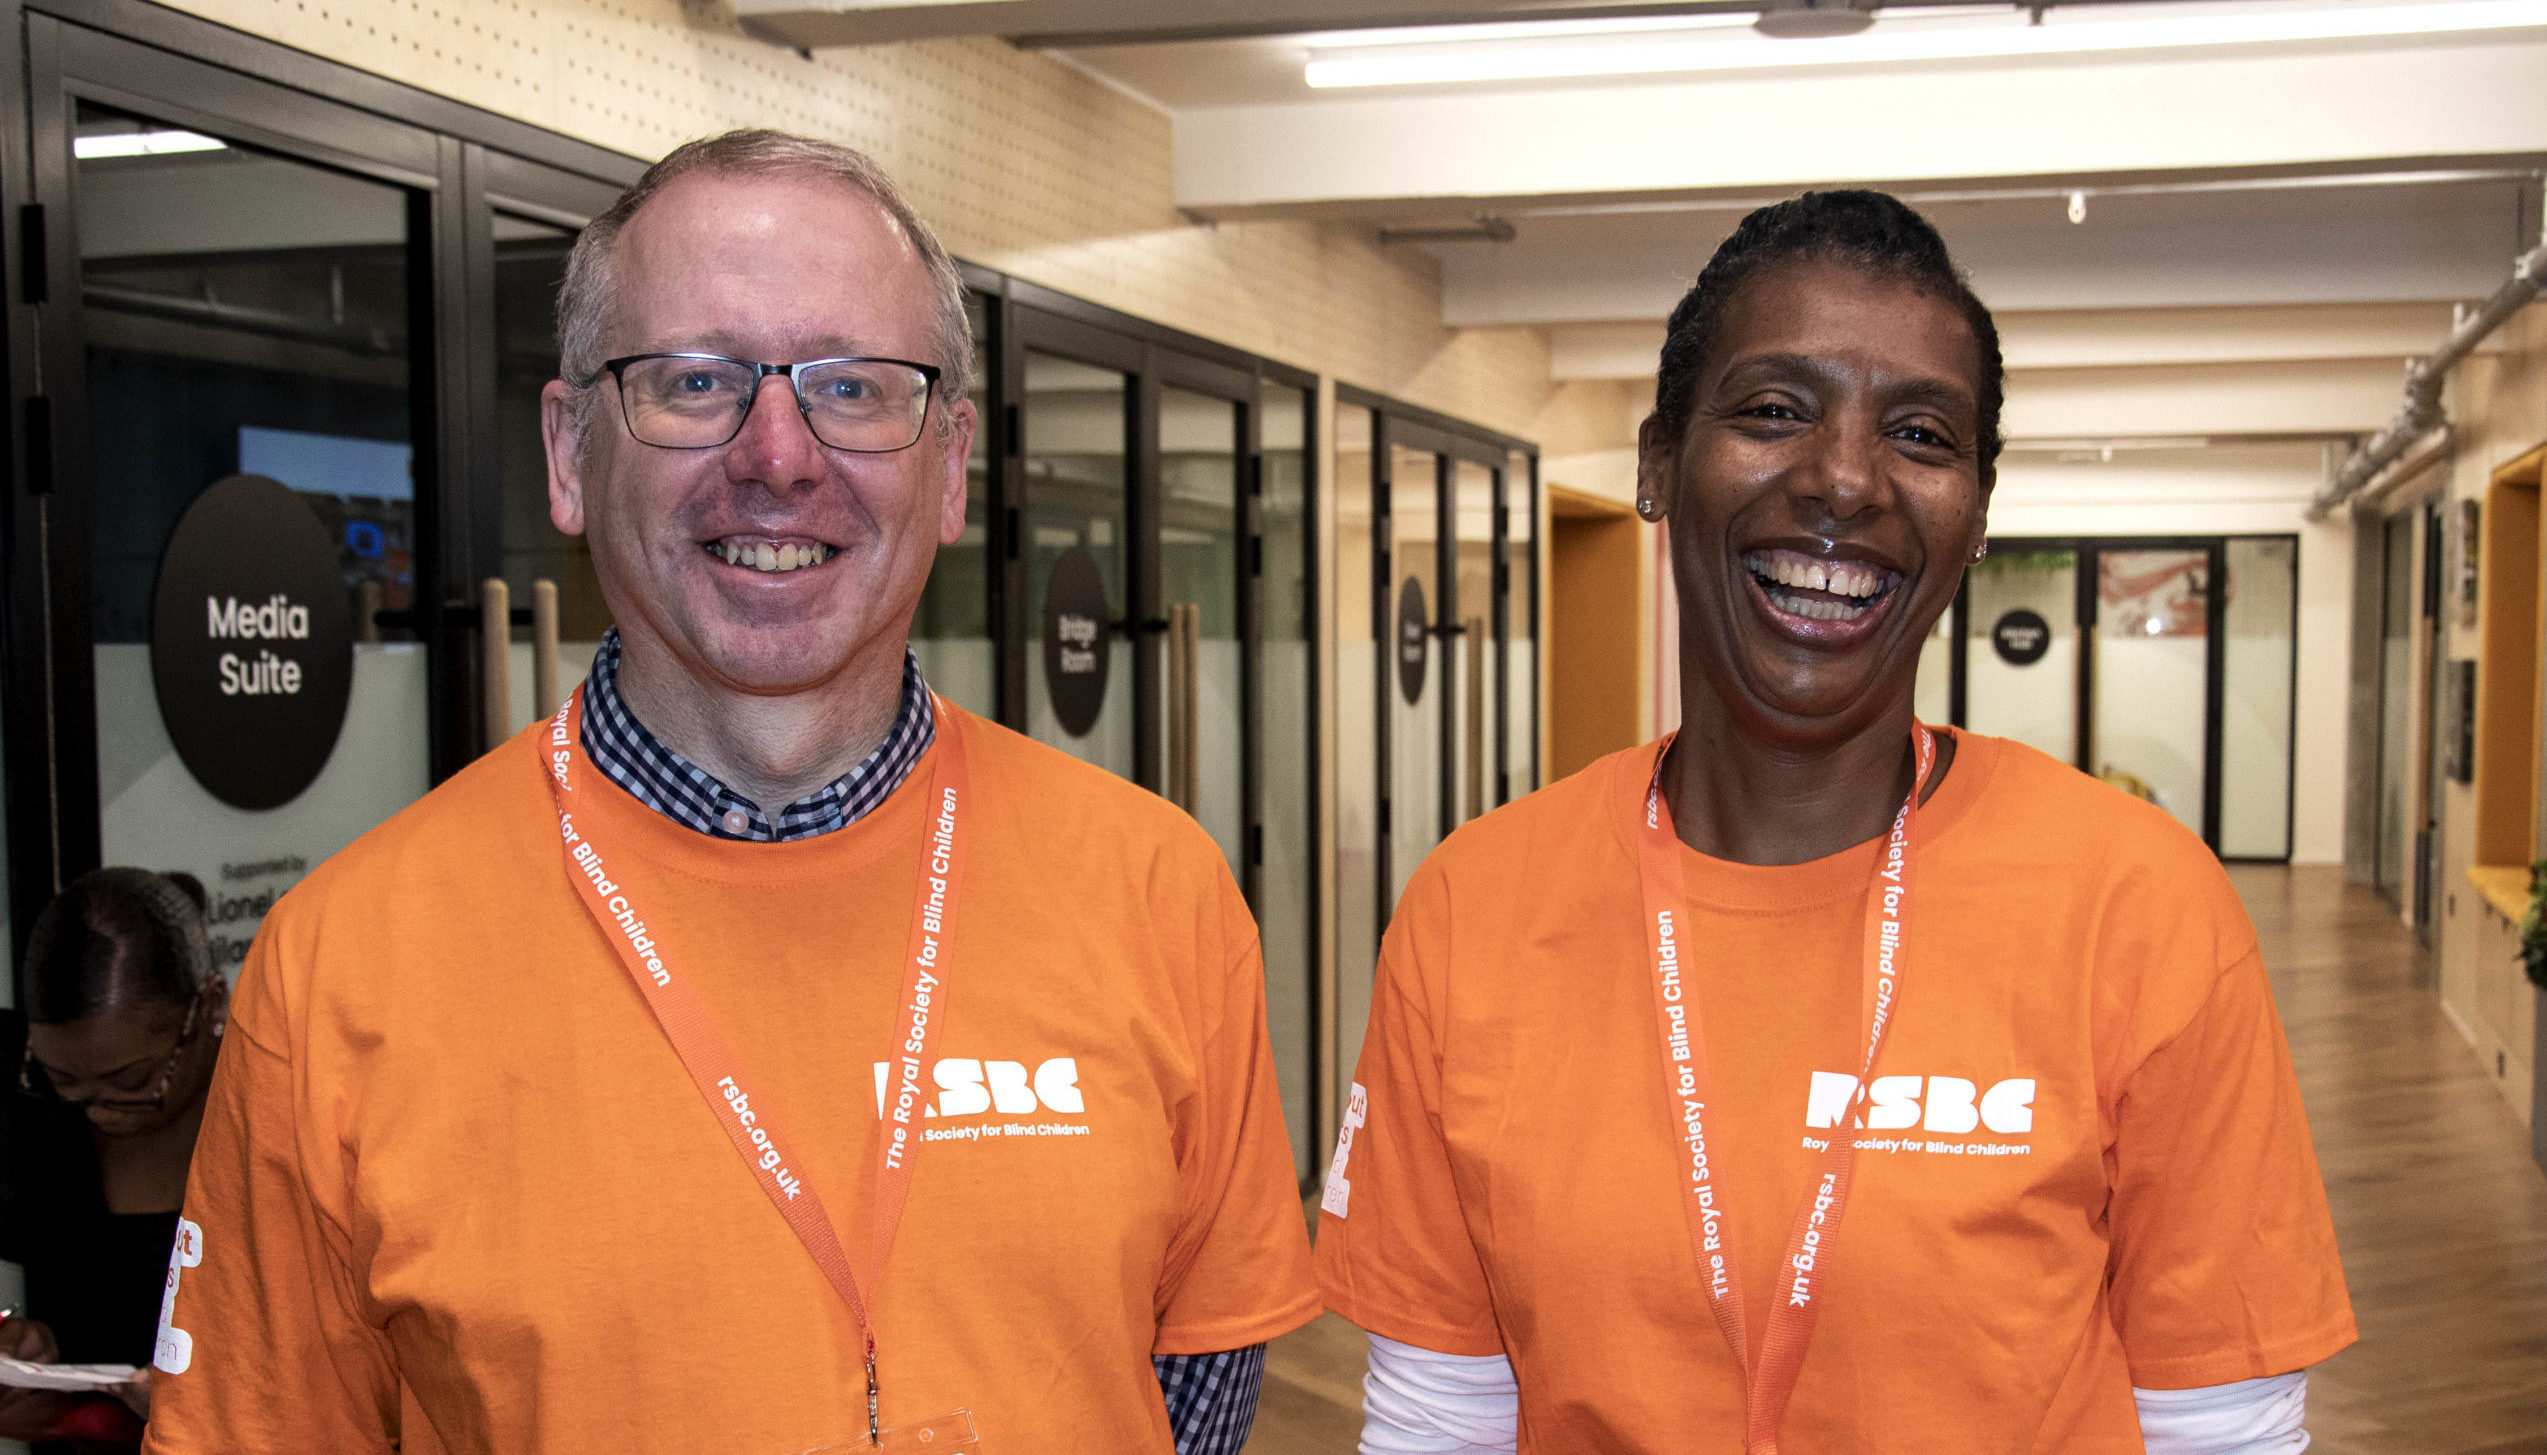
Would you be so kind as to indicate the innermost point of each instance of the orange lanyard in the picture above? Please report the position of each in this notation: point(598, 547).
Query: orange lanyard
point(1690, 1089)
point(723, 1079)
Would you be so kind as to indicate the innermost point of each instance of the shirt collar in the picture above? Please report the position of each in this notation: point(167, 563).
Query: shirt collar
point(680, 790)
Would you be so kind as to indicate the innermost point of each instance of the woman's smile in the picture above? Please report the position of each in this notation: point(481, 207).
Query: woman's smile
point(1819, 590)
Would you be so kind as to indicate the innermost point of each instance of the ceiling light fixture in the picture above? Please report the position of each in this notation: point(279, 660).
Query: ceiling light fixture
point(1813, 19)
point(1898, 41)
point(1484, 227)
point(142, 144)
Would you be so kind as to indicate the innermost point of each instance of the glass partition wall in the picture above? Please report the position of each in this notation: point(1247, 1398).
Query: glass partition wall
point(237, 371)
point(242, 261)
point(243, 314)
point(2164, 667)
point(1150, 501)
point(1436, 595)
point(245, 262)
point(1445, 553)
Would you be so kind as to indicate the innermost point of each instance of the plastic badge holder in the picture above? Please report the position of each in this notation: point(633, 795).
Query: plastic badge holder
point(946, 1434)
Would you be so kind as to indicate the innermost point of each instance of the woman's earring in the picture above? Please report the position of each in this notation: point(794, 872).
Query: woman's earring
point(1646, 507)
point(1977, 555)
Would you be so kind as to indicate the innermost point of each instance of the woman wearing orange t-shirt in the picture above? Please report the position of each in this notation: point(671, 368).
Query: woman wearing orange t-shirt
point(1814, 1080)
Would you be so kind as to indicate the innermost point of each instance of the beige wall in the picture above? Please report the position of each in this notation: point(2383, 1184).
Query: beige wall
point(2498, 408)
point(1022, 163)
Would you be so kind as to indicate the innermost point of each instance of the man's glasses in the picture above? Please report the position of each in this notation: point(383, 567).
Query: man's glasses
point(35, 1080)
point(699, 401)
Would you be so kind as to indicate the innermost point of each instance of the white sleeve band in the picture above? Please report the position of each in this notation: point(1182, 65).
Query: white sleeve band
point(1417, 1402)
point(2250, 1417)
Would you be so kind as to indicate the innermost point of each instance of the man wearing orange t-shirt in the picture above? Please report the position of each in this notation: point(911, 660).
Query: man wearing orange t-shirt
point(762, 1054)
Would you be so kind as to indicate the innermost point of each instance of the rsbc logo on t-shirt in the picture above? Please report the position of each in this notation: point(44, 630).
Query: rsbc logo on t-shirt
point(1950, 1107)
point(968, 1088)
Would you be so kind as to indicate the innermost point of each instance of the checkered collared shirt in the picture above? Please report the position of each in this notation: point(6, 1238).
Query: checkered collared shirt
point(1210, 1398)
point(688, 794)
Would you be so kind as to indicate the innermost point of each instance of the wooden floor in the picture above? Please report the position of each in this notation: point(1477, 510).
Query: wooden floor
point(2441, 1213)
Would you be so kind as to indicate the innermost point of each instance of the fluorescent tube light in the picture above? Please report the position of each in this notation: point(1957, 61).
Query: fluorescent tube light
point(142, 144)
point(1894, 41)
point(1539, 30)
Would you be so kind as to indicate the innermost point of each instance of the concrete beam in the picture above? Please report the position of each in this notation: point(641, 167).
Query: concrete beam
point(2320, 398)
point(811, 23)
point(2102, 338)
point(2319, 245)
point(2181, 113)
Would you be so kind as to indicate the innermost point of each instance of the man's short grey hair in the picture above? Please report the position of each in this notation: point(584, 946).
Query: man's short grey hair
point(586, 298)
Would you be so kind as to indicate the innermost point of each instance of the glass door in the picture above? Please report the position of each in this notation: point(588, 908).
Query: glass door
point(1285, 567)
point(2427, 836)
point(240, 481)
point(1364, 679)
point(2151, 665)
point(2260, 622)
point(547, 659)
point(1077, 544)
point(2166, 667)
point(1517, 627)
point(2396, 622)
point(1201, 554)
point(2021, 651)
point(951, 632)
point(1470, 643)
point(1418, 763)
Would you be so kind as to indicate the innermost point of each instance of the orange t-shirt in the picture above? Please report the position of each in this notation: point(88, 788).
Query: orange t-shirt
point(455, 1190)
point(2014, 1257)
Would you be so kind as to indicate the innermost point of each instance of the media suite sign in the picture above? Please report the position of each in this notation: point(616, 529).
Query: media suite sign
point(252, 642)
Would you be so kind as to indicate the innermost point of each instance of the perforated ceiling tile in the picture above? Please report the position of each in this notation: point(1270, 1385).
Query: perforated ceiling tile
point(1020, 162)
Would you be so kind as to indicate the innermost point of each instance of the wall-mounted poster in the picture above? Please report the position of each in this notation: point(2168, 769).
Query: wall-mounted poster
point(2153, 593)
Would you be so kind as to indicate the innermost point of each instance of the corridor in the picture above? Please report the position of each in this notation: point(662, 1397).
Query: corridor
point(2441, 1213)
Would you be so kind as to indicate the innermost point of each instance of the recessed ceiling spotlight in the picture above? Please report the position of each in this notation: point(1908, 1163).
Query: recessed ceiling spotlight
point(1813, 19)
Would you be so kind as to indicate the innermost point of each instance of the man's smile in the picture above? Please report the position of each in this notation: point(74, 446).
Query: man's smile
point(769, 555)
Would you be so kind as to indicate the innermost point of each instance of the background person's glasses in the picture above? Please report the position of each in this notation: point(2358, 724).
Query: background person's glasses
point(35, 1080)
point(699, 401)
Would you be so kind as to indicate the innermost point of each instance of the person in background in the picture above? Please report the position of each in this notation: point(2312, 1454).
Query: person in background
point(985, 1024)
point(125, 1014)
point(1815, 1081)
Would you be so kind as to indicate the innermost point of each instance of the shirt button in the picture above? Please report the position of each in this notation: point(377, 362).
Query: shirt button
point(736, 821)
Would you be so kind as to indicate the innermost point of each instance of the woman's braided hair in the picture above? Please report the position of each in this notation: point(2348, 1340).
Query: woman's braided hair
point(1860, 229)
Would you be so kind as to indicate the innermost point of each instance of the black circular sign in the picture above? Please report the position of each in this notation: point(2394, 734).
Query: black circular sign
point(2021, 637)
point(1414, 625)
point(252, 642)
point(1077, 640)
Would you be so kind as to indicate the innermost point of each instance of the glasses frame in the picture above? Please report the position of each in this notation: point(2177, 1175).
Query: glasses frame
point(43, 1089)
point(616, 368)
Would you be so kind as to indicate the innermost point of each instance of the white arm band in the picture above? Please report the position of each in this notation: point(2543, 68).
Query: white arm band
point(2250, 1417)
point(1417, 1402)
